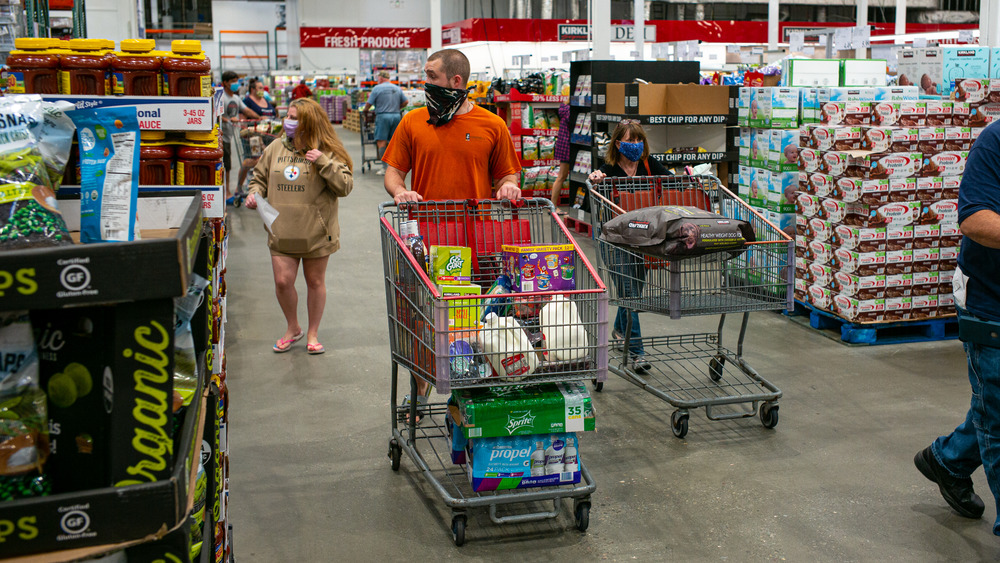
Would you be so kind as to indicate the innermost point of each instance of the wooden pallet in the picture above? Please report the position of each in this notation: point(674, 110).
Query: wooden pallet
point(871, 334)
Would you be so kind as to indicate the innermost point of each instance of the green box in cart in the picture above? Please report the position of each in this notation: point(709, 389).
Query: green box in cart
point(520, 411)
point(451, 265)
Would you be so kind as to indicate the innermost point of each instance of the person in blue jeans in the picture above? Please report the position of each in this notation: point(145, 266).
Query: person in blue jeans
point(389, 100)
point(627, 156)
point(950, 460)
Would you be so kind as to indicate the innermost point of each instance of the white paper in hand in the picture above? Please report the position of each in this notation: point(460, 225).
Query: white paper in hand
point(267, 213)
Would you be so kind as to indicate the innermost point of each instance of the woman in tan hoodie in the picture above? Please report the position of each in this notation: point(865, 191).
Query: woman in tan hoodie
point(303, 175)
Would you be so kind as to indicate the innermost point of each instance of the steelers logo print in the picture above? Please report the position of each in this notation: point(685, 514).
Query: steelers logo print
point(292, 172)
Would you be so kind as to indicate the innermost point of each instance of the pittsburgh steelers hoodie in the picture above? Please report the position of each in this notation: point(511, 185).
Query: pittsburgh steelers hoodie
point(305, 194)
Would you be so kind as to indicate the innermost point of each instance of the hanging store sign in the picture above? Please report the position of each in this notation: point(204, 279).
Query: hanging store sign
point(579, 32)
point(365, 37)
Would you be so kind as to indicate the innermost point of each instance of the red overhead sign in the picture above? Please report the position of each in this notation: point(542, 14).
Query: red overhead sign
point(366, 37)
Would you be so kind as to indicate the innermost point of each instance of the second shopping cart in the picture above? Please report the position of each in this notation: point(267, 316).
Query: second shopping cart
point(695, 370)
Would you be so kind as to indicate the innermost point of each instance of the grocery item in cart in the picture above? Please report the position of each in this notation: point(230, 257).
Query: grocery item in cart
point(523, 411)
point(540, 267)
point(451, 265)
point(505, 463)
point(565, 337)
point(109, 166)
point(507, 347)
point(24, 444)
point(677, 232)
point(462, 313)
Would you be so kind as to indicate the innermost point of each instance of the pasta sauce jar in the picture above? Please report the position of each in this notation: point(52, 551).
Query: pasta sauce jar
point(135, 70)
point(186, 70)
point(199, 160)
point(84, 68)
point(156, 164)
point(32, 68)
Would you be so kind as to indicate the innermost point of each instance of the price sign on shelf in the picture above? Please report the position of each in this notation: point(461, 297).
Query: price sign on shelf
point(733, 49)
point(862, 37)
point(965, 36)
point(919, 42)
point(796, 39)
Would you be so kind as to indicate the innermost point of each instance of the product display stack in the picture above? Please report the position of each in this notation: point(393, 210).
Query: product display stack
point(530, 108)
point(877, 204)
point(120, 308)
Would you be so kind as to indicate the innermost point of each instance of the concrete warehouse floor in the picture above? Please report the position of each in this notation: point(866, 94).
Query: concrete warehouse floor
point(835, 481)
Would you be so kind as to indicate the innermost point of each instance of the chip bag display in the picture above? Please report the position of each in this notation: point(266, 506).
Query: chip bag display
point(24, 444)
point(34, 148)
point(546, 148)
point(109, 166)
point(529, 147)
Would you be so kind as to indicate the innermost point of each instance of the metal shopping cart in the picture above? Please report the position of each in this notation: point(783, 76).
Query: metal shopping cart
point(694, 370)
point(423, 324)
point(254, 136)
point(368, 140)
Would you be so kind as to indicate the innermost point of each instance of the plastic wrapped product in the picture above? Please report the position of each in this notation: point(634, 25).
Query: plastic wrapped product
point(529, 147)
point(675, 232)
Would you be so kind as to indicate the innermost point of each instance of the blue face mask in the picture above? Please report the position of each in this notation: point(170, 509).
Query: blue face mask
point(631, 151)
point(234, 87)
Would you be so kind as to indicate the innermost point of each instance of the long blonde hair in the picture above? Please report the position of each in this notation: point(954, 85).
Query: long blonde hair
point(315, 131)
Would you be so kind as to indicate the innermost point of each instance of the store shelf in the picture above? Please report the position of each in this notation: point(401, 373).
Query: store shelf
point(213, 198)
point(68, 526)
point(515, 96)
point(579, 101)
point(668, 119)
point(533, 163)
point(88, 274)
point(695, 157)
point(516, 130)
point(583, 140)
point(155, 113)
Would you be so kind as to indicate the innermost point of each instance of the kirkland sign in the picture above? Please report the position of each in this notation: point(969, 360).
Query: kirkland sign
point(576, 32)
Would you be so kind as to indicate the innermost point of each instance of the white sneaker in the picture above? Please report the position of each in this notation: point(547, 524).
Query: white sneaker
point(381, 172)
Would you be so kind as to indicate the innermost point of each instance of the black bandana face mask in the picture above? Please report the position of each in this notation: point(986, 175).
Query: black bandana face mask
point(442, 103)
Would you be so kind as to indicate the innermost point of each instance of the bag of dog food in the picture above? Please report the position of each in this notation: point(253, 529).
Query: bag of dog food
point(675, 232)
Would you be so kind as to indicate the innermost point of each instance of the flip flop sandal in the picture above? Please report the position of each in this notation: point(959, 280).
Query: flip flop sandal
point(285, 345)
point(421, 401)
point(316, 348)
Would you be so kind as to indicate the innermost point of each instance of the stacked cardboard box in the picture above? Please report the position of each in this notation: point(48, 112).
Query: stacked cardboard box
point(877, 204)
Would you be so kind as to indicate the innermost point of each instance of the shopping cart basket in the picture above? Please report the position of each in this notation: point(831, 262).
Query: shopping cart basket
point(254, 136)
point(368, 144)
point(424, 325)
point(694, 370)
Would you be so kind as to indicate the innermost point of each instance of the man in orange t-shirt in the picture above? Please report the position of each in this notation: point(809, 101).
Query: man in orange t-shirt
point(454, 148)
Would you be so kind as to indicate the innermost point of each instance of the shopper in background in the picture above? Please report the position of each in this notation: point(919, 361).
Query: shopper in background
point(562, 153)
point(455, 149)
point(389, 100)
point(301, 91)
point(950, 460)
point(628, 155)
point(232, 108)
point(303, 175)
point(258, 100)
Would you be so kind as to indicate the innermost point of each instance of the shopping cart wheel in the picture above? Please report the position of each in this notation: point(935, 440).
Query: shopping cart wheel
point(769, 415)
point(395, 453)
point(716, 367)
point(582, 512)
point(458, 529)
point(679, 423)
point(598, 386)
